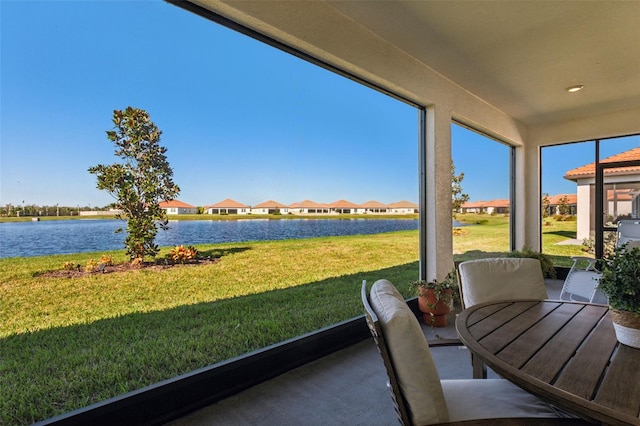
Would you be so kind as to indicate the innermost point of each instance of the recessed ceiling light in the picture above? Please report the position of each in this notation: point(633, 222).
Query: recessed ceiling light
point(576, 88)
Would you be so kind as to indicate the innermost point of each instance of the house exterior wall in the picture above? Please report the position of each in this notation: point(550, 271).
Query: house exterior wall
point(227, 210)
point(181, 210)
point(586, 209)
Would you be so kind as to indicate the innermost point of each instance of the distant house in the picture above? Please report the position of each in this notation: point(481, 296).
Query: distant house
point(556, 201)
point(373, 207)
point(621, 191)
point(228, 206)
point(270, 207)
point(488, 207)
point(343, 207)
point(473, 207)
point(403, 207)
point(308, 207)
point(178, 207)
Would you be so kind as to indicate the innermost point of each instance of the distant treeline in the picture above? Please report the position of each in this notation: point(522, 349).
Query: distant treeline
point(10, 210)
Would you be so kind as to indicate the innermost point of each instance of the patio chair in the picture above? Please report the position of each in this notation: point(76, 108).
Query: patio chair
point(581, 283)
point(628, 233)
point(493, 279)
point(419, 396)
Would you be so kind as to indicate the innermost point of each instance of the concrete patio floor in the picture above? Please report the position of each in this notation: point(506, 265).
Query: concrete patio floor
point(346, 387)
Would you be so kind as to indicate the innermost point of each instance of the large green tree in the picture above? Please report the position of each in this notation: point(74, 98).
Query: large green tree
point(140, 181)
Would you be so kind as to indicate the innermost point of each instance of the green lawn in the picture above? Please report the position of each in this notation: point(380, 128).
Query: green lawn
point(68, 342)
point(492, 237)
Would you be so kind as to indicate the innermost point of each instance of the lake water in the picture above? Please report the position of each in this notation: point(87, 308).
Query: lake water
point(24, 239)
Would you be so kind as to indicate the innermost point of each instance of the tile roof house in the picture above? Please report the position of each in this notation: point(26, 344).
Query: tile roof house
point(178, 207)
point(270, 207)
point(555, 202)
point(374, 207)
point(489, 207)
point(344, 207)
point(308, 207)
point(403, 207)
point(622, 189)
point(228, 206)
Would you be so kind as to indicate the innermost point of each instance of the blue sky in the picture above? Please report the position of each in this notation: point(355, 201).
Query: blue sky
point(240, 119)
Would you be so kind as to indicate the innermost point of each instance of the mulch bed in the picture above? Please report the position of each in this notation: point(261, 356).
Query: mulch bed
point(123, 267)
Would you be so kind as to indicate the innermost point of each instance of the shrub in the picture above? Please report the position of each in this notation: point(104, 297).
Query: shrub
point(182, 254)
point(90, 266)
point(564, 218)
point(70, 266)
point(459, 231)
point(548, 270)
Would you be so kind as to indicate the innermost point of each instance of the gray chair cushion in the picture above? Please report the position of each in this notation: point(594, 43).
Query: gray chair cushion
point(415, 369)
point(489, 280)
point(492, 398)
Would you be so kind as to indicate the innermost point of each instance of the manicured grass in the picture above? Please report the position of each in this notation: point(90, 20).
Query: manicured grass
point(66, 343)
point(492, 238)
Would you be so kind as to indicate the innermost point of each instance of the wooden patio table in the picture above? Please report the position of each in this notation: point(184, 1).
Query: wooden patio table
point(564, 352)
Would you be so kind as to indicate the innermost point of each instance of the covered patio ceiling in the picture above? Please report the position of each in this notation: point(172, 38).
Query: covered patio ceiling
point(518, 57)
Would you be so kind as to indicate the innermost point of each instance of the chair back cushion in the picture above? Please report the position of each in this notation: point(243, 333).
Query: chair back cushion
point(488, 280)
point(410, 355)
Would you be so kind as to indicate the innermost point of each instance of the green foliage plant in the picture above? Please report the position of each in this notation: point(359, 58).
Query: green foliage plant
point(140, 182)
point(444, 291)
point(620, 279)
point(546, 262)
point(458, 198)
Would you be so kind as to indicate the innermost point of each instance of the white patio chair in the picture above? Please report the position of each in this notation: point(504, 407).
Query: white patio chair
point(628, 233)
point(490, 280)
point(581, 283)
point(419, 396)
point(494, 279)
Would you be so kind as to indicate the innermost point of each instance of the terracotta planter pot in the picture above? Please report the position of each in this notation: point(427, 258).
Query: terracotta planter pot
point(627, 327)
point(435, 316)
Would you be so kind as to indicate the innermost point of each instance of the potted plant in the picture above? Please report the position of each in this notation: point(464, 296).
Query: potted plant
point(620, 281)
point(435, 299)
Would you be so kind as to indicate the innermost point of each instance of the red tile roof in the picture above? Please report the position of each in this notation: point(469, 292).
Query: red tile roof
point(343, 204)
point(372, 204)
point(589, 170)
point(555, 199)
point(481, 204)
point(308, 204)
point(403, 205)
point(228, 204)
point(620, 194)
point(270, 204)
point(175, 203)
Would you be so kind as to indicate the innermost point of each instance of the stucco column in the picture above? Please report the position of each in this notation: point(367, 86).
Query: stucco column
point(584, 213)
point(436, 256)
point(527, 217)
